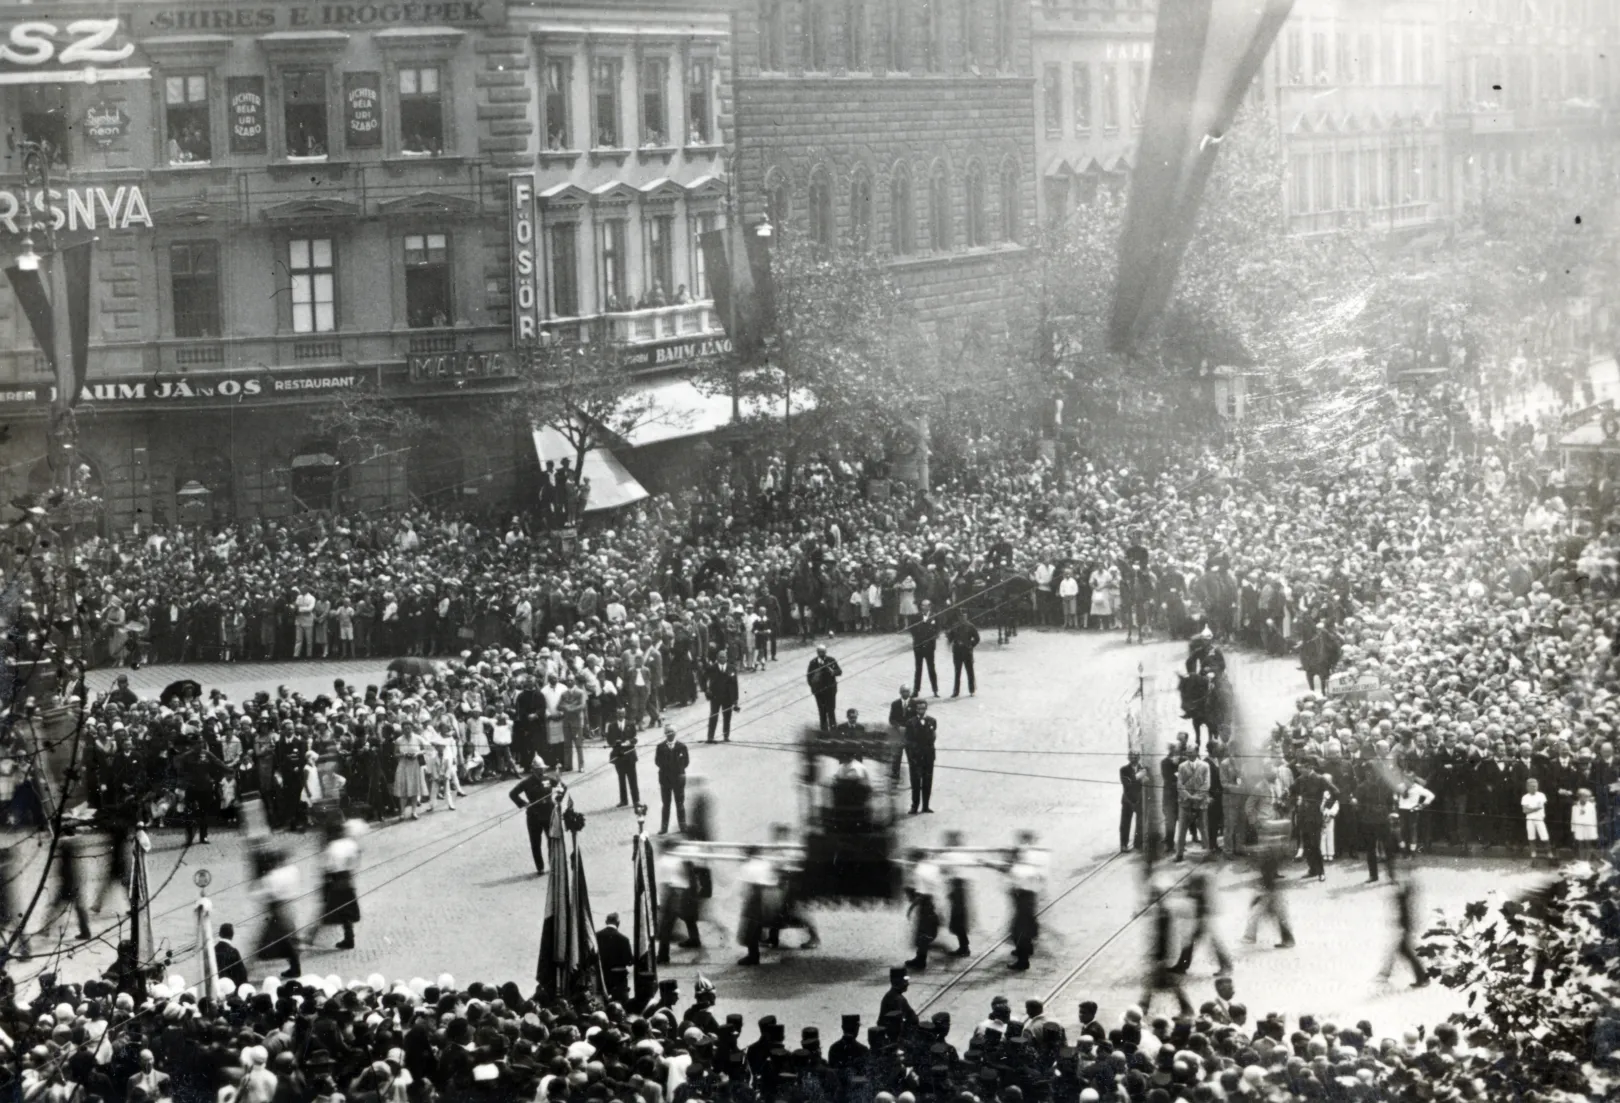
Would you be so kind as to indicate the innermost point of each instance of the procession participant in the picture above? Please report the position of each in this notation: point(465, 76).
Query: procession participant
point(757, 880)
point(677, 902)
point(618, 958)
point(537, 796)
point(340, 903)
point(960, 919)
point(923, 895)
point(278, 887)
point(1026, 880)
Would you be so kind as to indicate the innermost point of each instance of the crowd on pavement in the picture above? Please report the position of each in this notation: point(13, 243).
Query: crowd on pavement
point(319, 1040)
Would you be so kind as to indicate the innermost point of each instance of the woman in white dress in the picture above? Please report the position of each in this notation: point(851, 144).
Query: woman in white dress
point(1104, 597)
point(410, 752)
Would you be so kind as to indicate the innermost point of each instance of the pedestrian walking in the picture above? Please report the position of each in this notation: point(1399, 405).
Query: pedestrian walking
point(921, 732)
point(963, 637)
point(537, 796)
point(1161, 975)
point(822, 676)
point(1406, 907)
point(340, 903)
point(757, 883)
point(70, 886)
point(278, 887)
point(924, 641)
point(1131, 777)
point(720, 687)
point(959, 919)
point(1201, 894)
point(922, 908)
point(1026, 880)
point(1268, 902)
point(677, 902)
point(672, 759)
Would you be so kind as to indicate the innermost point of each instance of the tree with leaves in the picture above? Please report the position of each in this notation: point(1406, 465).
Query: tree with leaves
point(588, 392)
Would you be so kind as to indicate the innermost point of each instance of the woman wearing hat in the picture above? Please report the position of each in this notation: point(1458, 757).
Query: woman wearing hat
point(410, 752)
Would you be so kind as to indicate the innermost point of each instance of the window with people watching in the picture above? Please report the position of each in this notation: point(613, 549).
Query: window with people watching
point(427, 281)
point(185, 119)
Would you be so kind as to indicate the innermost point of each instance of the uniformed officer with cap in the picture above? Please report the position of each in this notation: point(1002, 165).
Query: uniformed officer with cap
point(894, 1000)
point(537, 796)
point(847, 1054)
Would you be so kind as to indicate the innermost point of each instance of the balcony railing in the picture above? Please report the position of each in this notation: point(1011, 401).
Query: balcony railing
point(661, 323)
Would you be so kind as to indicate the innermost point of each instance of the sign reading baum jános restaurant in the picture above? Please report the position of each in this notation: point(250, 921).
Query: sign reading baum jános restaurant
point(200, 387)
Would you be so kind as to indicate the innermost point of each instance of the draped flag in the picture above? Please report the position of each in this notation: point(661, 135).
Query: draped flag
point(738, 266)
point(39, 307)
point(586, 977)
point(1206, 54)
point(557, 932)
point(644, 929)
point(140, 901)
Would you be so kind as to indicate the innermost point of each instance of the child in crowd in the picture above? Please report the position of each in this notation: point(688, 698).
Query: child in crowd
point(1583, 824)
point(1534, 804)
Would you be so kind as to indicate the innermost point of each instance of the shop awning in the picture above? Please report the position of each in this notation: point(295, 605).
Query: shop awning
point(315, 459)
point(679, 408)
point(611, 485)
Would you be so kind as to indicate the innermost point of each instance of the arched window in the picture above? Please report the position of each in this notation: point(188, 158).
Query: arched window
point(778, 199)
point(977, 232)
point(821, 208)
point(902, 216)
point(860, 211)
point(1011, 213)
point(772, 36)
point(939, 209)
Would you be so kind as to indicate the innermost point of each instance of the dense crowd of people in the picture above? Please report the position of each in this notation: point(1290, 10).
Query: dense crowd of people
point(317, 1039)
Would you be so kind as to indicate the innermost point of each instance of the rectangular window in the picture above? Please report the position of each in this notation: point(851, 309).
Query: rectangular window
point(605, 103)
point(813, 36)
point(1299, 173)
point(564, 270)
point(1139, 79)
point(611, 254)
point(899, 36)
point(1082, 97)
point(655, 101)
point(559, 132)
point(304, 112)
point(855, 56)
point(704, 222)
point(1110, 97)
point(194, 287)
point(185, 118)
point(1052, 96)
point(421, 111)
point(700, 102)
point(1366, 64)
point(1324, 181)
point(314, 285)
point(1387, 73)
point(1294, 56)
point(1319, 57)
point(1432, 174)
point(772, 35)
point(44, 117)
point(1348, 199)
point(660, 259)
point(966, 33)
point(1372, 178)
point(427, 281)
point(1344, 63)
point(933, 19)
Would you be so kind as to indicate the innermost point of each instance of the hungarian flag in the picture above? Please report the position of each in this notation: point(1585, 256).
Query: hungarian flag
point(1206, 54)
point(738, 265)
point(644, 943)
point(39, 307)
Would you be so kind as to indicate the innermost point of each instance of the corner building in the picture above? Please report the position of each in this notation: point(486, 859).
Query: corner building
point(299, 204)
point(898, 125)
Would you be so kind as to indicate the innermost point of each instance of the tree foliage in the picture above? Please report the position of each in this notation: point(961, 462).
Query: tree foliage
point(587, 392)
point(1541, 977)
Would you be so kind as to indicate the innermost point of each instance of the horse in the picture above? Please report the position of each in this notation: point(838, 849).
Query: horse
point(1318, 655)
point(1206, 701)
point(1137, 602)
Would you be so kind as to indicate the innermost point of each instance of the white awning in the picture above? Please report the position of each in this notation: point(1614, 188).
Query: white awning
point(682, 409)
point(611, 485)
point(315, 459)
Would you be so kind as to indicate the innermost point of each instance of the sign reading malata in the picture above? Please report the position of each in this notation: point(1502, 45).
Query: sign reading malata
point(457, 366)
point(215, 17)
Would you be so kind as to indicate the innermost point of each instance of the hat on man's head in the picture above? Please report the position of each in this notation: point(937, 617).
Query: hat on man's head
point(896, 973)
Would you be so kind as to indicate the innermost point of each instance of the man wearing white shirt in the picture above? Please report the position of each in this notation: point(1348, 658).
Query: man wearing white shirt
point(304, 624)
point(557, 745)
point(1413, 799)
point(1044, 575)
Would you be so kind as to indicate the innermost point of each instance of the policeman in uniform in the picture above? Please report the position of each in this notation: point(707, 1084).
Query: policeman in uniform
point(895, 1002)
point(536, 795)
point(1026, 879)
point(848, 1055)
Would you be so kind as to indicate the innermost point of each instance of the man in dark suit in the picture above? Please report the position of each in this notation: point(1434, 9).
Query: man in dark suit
point(618, 958)
point(536, 795)
point(720, 687)
point(822, 675)
point(529, 724)
point(672, 760)
point(964, 638)
point(921, 733)
point(228, 958)
point(924, 640)
point(895, 1002)
point(1131, 777)
point(621, 740)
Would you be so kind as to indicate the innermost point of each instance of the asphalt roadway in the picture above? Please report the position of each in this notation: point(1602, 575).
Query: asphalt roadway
point(1038, 748)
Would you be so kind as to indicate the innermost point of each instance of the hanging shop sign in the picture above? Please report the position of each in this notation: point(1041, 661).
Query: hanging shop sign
point(79, 51)
point(121, 207)
point(525, 261)
point(201, 387)
point(264, 18)
point(104, 124)
point(362, 110)
point(244, 99)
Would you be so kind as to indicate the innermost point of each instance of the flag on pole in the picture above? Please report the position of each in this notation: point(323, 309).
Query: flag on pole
point(140, 902)
point(738, 266)
point(585, 977)
point(69, 270)
point(644, 928)
point(205, 946)
point(557, 931)
point(1206, 54)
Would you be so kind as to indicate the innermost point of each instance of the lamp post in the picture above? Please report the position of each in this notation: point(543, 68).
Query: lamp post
point(37, 156)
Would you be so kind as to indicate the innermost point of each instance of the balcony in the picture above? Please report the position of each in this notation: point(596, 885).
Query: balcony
point(662, 323)
point(1400, 216)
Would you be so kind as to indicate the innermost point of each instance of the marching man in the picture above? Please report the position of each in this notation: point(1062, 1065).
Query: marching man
point(927, 883)
point(1026, 880)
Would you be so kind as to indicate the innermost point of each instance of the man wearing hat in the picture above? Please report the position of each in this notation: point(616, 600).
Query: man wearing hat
point(895, 1002)
point(720, 687)
point(848, 1055)
point(536, 795)
point(822, 675)
point(672, 759)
